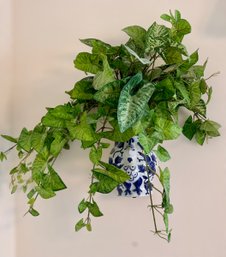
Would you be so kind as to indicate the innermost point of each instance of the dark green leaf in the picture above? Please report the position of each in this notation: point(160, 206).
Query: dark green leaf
point(200, 136)
point(83, 89)
point(94, 209)
point(9, 138)
point(187, 64)
point(189, 128)
point(2, 156)
point(33, 212)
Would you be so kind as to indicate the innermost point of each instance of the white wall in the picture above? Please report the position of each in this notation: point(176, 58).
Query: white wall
point(46, 41)
point(7, 212)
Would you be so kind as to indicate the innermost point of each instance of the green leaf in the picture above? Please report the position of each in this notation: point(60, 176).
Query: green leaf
point(183, 90)
point(166, 221)
point(173, 55)
point(167, 128)
point(9, 138)
point(45, 193)
point(113, 172)
point(82, 131)
point(53, 122)
point(79, 225)
point(89, 227)
point(200, 108)
point(169, 209)
point(53, 181)
point(181, 28)
point(200, 136)
point(209, 93)
point(195, 93)
point(57, 144)
point(189, 128)
point(95, 154)
point(94, 209)
point(2, 156)
point(82, 206)
point(105, 184)
point(24, 140)
point(157, 37)
point(137, 34)
point(162, 154)
point(31, 193)
point(104, 77)
point(211, 128)
point(88, 62)
point(116, 135)
point(165, 17)
point(33, 212)
point(14, 189)
point(131, 107)
point(83, 89)
point(148, 142)
point(165, 181)
point(140, 59)
point(191, 60)
point(110, 92)
point(38, 140)
point(38, 168)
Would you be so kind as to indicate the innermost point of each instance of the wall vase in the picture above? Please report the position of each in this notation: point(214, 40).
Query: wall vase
point(129, 157)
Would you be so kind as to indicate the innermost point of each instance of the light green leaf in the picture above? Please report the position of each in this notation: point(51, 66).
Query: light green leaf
point(113, 172)
point(88, 62)
point(211, 128)
point(57, 144)
point(200, 108)
point(165, 17)
point(167, 128)
point(131, 107)
point(82, 131)
point(53, 122)
point(95, 154)
point(191, 60)
point(137, 34)
point(79, 225)
point(24, 140)
point(104, 77)
point(148, 142)
point(38, 167)
point(140, 59)
point(38, 140)
point(105, 184)
point(45, 193)
point(162, 154)
point(165, 181)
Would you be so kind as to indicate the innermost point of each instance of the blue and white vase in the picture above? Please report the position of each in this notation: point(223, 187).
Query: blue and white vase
point(129, 156)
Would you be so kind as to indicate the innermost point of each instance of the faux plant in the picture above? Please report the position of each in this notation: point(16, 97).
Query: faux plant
point(134, 89)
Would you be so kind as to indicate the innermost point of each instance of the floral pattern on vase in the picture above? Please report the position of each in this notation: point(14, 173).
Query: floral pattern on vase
point(129, 157)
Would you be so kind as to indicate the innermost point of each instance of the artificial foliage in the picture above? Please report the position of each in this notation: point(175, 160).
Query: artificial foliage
point(133, 89)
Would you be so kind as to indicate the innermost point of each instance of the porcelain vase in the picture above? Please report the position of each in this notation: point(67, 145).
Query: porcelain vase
point(129, 156)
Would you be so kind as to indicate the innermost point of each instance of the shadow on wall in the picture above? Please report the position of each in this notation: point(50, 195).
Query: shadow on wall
point(217, 21)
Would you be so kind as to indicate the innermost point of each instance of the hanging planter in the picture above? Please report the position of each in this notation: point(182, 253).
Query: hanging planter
point(132, 96)
point(130, 157)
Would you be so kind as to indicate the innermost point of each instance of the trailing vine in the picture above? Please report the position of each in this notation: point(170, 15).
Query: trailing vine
point(133, 89)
